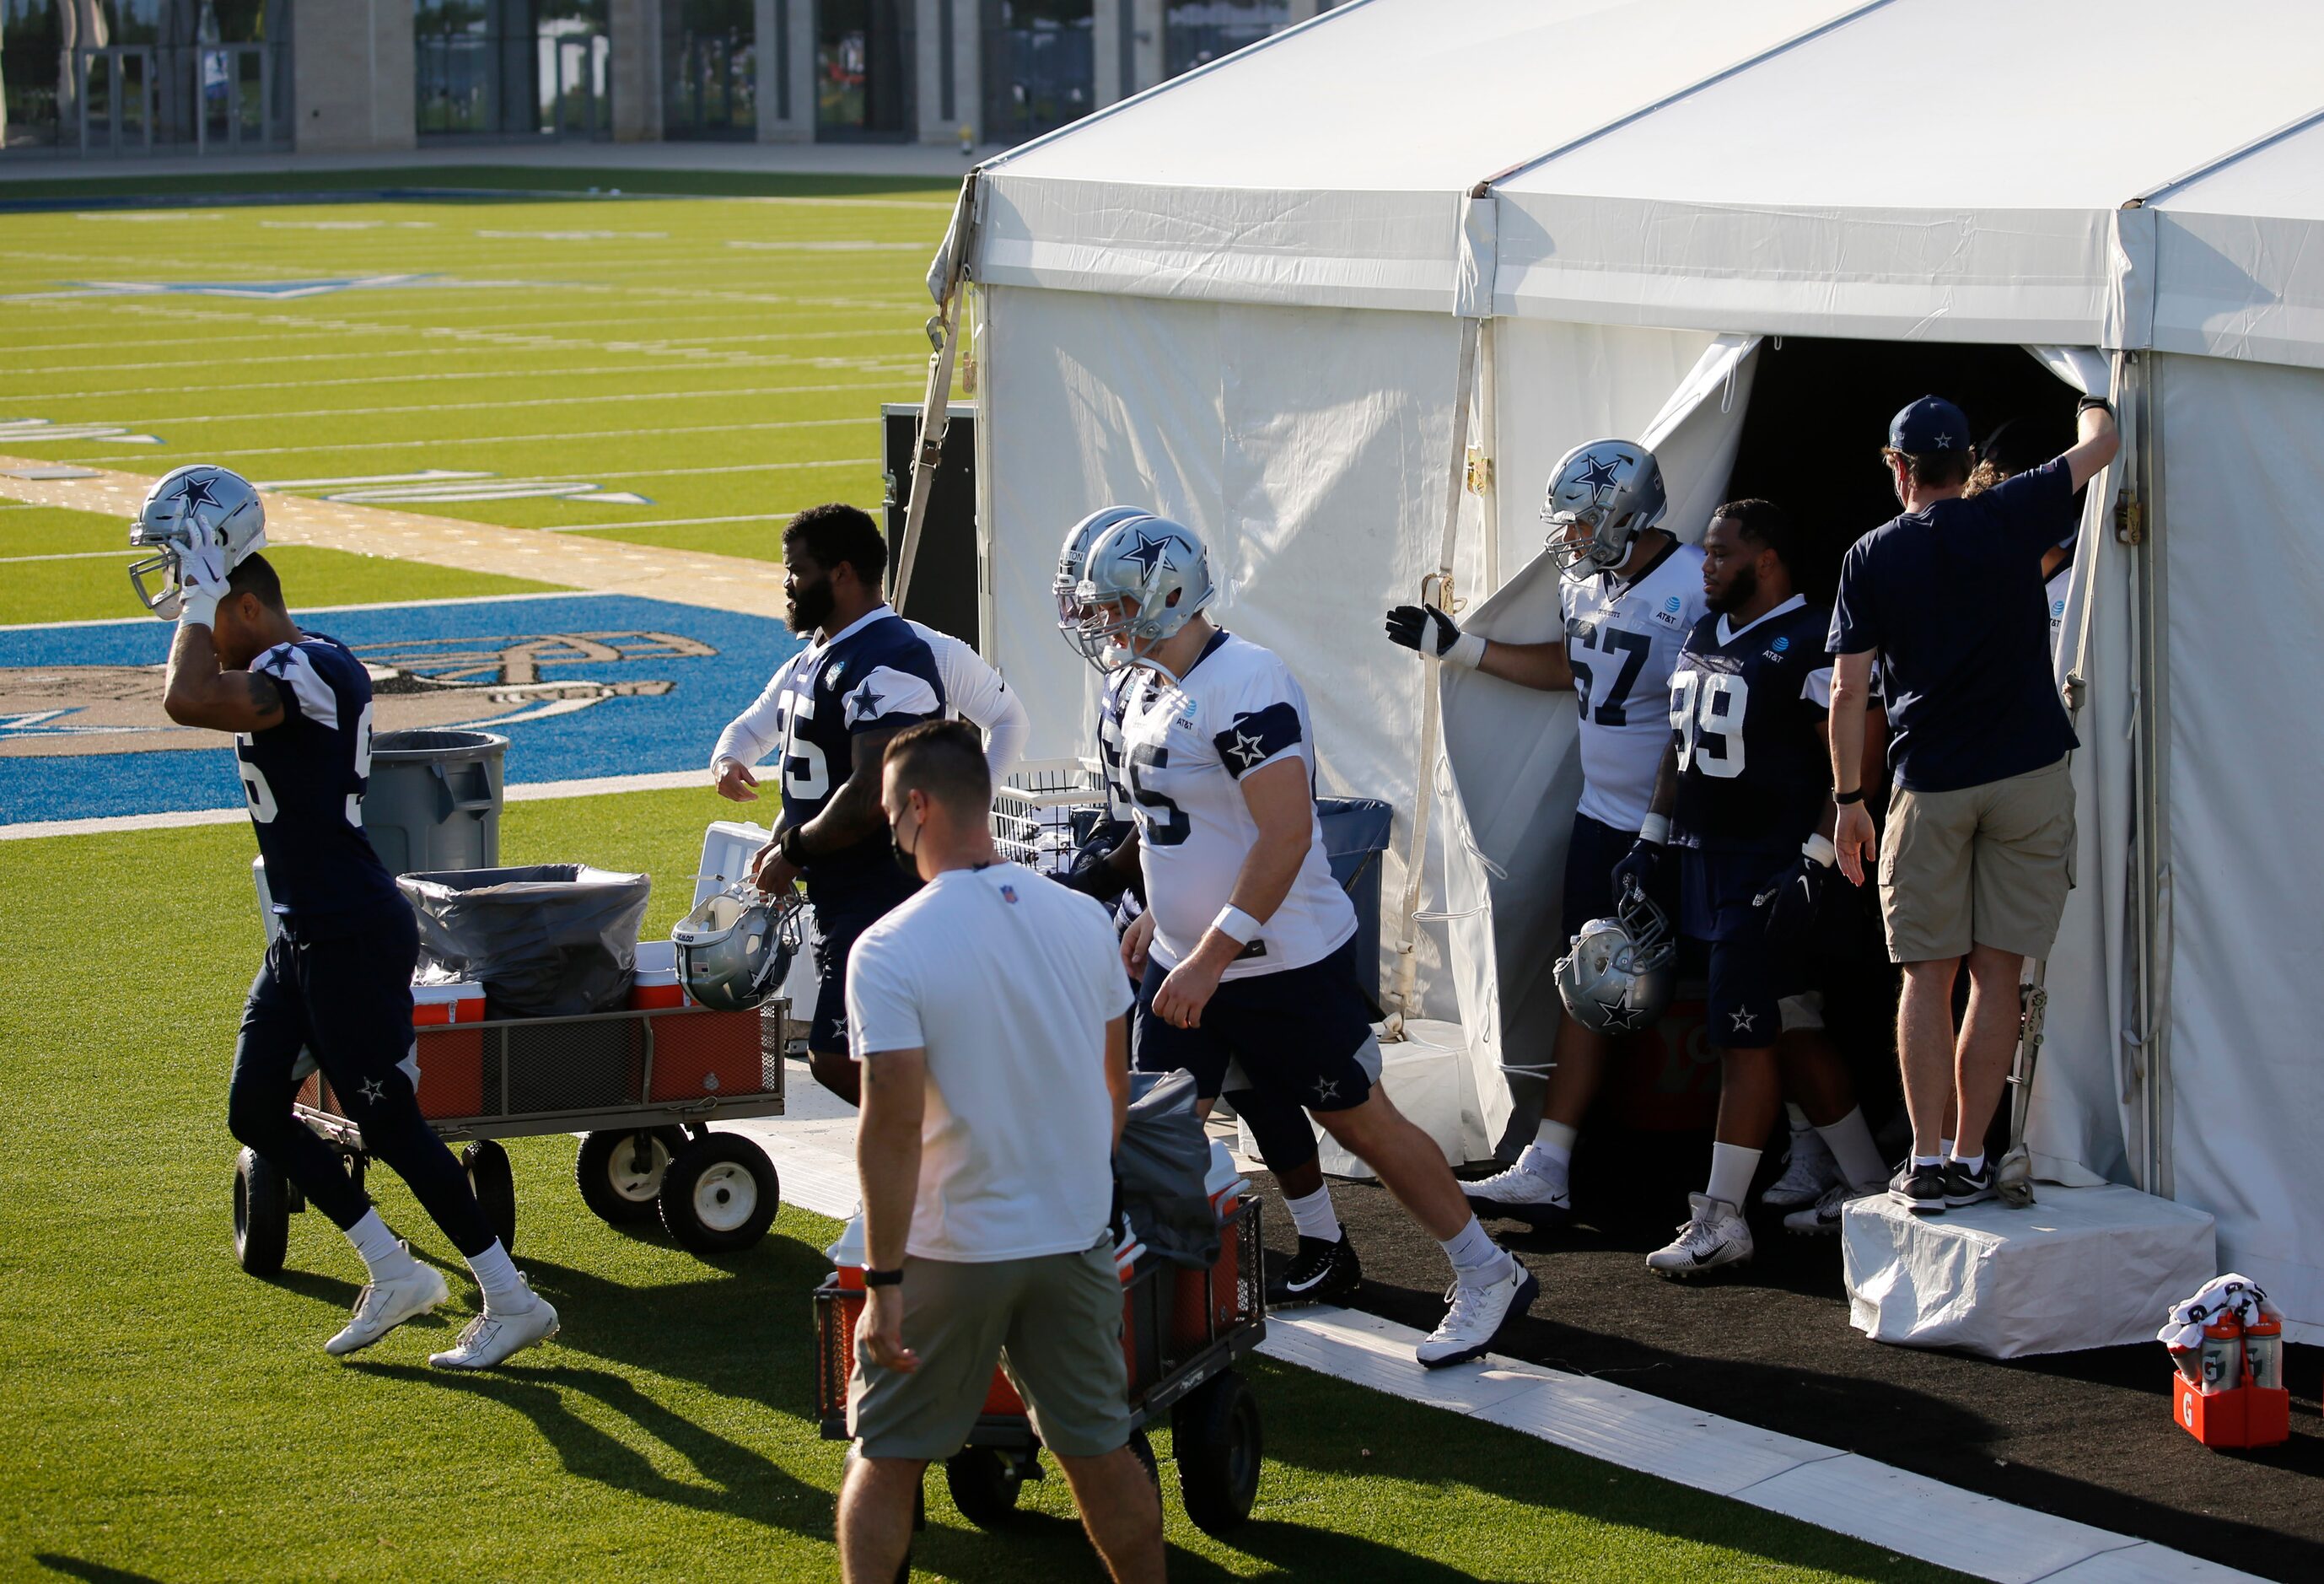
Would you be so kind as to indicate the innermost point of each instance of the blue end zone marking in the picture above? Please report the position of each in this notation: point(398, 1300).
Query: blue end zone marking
point(581, 687)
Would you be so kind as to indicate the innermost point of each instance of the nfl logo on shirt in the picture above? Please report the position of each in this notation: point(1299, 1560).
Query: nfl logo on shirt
point(1009, 894)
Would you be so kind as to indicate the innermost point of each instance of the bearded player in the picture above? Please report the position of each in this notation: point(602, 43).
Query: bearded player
point(1744, 788)
point(1324, 1268)
point(336, 980)
point(1246, 955)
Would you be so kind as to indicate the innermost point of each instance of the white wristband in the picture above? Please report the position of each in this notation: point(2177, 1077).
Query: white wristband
point(197, 607)
point(1654, 827)
point(1819, 850)
point(1236, 925)
point(1468, 652)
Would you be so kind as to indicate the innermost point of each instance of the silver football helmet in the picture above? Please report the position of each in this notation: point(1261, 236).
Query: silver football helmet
point(734, 947)
point(1072, 561)
point(186, 507)
point(1152, 562)
point(1602, 496)
point(1617, 976)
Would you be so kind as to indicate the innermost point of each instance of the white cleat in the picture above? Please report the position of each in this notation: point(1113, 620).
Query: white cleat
point(1478, 1313)
point(383, 1306)
point(1809, 1172)
point(491, 1338)
point(1821, 1218)
point(1520, 1195)
point(1716, 1235)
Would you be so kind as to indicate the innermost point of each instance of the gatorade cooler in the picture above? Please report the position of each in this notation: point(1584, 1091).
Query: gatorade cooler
point(847, 1259)
point(1194, 1317)
point(2225, 1405)
point(700, 1055)
point(654, 984)
point(451, 1057)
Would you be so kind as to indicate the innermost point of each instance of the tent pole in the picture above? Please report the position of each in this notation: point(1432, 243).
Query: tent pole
point(1489, 449)
point(2153, 768)
point(927, 448)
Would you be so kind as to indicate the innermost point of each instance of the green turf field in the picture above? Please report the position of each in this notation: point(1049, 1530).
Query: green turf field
point(171, 1418)
point(723, 358)
point(59, 566)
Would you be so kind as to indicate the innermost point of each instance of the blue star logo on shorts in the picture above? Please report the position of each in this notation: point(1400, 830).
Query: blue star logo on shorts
point(1326, 1088)
point(1745, 1022)
point(373, 1090)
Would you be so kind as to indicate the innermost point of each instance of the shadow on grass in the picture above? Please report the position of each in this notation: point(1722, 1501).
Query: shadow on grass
point(95, 1573)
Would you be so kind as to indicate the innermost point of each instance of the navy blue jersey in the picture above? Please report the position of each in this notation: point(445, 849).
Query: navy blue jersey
point(876, 674)
point(305, 780)
point(1952, 598)
point(1753, 772)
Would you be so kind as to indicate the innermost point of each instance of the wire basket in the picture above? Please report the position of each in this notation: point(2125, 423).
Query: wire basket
point(1046, 809)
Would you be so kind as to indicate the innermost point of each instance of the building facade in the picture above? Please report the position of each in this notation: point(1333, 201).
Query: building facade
point(125, 76)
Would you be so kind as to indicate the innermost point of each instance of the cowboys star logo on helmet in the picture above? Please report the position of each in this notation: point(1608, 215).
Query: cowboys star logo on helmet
point(1145, 580)
point(192, 508)
point(1619, 974)
point(1602, 495)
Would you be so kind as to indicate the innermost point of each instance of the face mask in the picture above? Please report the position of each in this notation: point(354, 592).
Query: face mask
point(906, 860)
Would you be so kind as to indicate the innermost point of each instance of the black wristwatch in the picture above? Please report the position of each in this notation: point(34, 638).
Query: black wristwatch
point(872, 1278)
point(1840, 799)
point(2087, 402)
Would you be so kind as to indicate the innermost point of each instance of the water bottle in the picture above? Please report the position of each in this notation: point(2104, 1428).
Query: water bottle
point(2264, 1353)
point(2223, 1353)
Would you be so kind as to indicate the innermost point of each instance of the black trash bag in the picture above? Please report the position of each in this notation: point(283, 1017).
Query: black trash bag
point(546, 940)
point(1164, 1158)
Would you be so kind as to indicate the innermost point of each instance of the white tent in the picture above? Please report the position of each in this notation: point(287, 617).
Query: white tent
point(1298, 298)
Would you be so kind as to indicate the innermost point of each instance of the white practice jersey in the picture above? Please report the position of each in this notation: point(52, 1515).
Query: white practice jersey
point(2060, 584)
point(1624, 640)
point(1186, 748)
point(973, 689)
point(1109, 740)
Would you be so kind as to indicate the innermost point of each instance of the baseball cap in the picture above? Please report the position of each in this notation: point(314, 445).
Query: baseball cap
point(1930, 424)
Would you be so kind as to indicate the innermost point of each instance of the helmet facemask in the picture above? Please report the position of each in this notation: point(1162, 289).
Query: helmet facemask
point(1605, 544)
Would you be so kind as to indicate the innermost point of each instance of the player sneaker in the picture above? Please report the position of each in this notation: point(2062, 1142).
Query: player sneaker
point(1809, 1173)
point(1965, 1187)
point(1521, 1195)
point(1321, 1272)
point(1822, 1218)
point(381, 1306)
point(1479, 1311)
point(491, 1338)
point(1715, 1234)
point(1919, 1189)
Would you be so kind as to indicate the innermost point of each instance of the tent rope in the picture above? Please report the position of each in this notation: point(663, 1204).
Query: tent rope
point(936, 407)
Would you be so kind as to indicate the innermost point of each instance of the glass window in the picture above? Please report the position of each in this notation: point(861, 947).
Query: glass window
point(863, 69)
point(1196, 32)
point(511, 68)
point(710, 69)
point(1040, 66)
point(32, 40)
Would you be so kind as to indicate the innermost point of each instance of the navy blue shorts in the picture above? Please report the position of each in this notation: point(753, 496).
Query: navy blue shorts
point(1302, 1035)
point(1748, 981)
point(841, 914)
point(1591, 853)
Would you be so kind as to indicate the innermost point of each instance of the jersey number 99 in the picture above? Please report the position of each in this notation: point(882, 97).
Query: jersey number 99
point(1706, 713)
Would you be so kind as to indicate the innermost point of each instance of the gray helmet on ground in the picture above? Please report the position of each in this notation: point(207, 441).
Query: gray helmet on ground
point(1158, 564)
point(734, 947)
point(195, 504)
point(1617, 976)
point(1072, 561)
point(1602, 495)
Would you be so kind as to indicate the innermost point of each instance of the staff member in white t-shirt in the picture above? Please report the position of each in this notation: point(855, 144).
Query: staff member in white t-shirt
point(989, 1013)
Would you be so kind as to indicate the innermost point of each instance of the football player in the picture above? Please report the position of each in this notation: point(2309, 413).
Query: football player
point(1630, 593)
point(865, 675)
point(1246, 954)
point(336, 980)
point(1744, 788)
point(1324, 1267)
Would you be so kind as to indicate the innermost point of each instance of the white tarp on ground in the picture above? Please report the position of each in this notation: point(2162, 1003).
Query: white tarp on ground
point(1234, 299)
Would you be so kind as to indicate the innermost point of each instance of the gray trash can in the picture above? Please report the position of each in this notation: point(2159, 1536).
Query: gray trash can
point(434, 799)
point(1355, 834)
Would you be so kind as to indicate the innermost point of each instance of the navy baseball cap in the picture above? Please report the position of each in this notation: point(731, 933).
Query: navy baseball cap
point(1929, 425)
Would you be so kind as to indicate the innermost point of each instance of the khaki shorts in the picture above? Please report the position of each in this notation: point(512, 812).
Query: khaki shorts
point(1058, 1319)
point(1986, 866)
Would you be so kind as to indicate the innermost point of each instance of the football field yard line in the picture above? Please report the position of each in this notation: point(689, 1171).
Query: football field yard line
point(610, 396)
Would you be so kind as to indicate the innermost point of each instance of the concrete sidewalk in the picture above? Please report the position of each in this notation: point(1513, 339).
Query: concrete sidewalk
point(823, 159)
point(684, 577)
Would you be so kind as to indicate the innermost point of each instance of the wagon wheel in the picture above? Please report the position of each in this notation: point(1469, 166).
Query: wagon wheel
point(719, 1195)
point(1216, 1431)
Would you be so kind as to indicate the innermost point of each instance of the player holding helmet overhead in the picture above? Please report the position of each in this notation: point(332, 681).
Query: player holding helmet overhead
point(1630, 593)
point(336, 980)
point(1246, 953)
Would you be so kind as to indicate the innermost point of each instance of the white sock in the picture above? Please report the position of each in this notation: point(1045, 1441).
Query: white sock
point(1313, 1215)
point(1850, 1139)
point(1732, 1167)
point(1920, 1161)
point(496, 1275)
point(1944, 1148)
point(1550, 1153)
point(1476, 1257)
point(1973, 1162)
point(382, 1256)
point(1800, 1123)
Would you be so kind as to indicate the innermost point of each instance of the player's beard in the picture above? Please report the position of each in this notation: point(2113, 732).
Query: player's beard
point(812, 606)
point(1740, 588)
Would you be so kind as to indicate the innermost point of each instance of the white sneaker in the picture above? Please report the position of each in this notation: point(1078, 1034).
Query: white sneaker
point(1809, 1172)
point(1716, 1235)
point(1520, 1194)
point(491, 1338)
point(1478, 1313)
point(1821, 1218)
point(384, 1305)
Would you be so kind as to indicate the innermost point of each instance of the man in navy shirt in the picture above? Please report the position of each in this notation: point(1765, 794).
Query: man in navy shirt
point(336, 981)
point(1977, 859)
point(864, 676)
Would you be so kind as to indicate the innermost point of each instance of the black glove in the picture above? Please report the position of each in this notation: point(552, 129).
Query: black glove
point(1644, 863)
point(1423, 627)
point(1092, 872)
point(1790, 902)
